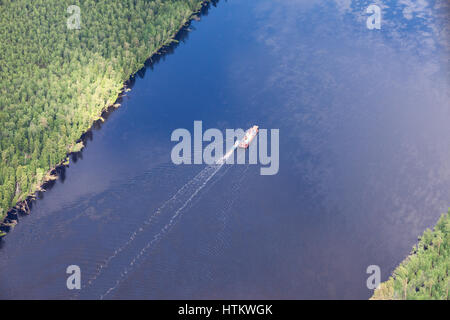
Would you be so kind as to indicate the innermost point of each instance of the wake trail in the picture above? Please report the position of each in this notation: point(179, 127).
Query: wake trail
point(176, 204)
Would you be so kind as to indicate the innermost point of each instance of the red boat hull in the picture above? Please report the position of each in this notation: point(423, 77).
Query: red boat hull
point(248, 138)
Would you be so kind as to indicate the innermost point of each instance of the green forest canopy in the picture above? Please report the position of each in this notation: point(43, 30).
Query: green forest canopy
point(55, 81)
point(425, 273)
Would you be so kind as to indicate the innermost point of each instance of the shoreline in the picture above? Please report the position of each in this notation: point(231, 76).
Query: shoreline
point(422, 273)
point(23, 207)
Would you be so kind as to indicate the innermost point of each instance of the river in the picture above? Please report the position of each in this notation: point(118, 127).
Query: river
point(363, 117)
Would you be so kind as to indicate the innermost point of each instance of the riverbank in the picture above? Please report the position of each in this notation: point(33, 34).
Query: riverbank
point(424, 274)
point(23, 173)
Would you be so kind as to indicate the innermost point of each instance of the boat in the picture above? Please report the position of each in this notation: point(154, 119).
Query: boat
point(250, 134)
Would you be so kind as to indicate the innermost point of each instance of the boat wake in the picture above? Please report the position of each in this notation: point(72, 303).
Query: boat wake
point(173, 207)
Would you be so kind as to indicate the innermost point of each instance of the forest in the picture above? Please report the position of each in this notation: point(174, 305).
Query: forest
point(424, 274)
point(55, 80)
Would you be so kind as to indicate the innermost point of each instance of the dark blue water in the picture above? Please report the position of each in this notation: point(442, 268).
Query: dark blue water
point(364, 162)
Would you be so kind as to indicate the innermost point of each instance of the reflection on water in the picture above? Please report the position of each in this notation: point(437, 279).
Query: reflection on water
point(363, 115)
